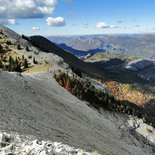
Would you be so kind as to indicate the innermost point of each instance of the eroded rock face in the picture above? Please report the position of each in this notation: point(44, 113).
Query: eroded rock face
point(27, 145)
point(142, 128)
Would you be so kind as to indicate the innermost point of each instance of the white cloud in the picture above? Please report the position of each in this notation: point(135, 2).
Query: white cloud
point(13, 9)
point(50, 2)
point(8, 21)
point(57, 22)
point(103, 25)
point(35, 28)
point(114, 26)
point(12, 21)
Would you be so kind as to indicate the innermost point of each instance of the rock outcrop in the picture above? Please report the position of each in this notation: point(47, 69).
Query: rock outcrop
point(13, 143)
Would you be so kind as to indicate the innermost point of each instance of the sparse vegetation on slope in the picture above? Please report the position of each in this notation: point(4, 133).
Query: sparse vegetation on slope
point(84, 90)
point(7, 62)
point(20, 58)
point(11, 64)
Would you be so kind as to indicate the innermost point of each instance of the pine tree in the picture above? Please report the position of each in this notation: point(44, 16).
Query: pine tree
point(34, 60)
point(67, 85)
point(1, 48)
point(18, 68)
point(11, 61)
point(18, 47)
point(27, 48)
point(1, 65)
point(25, 63)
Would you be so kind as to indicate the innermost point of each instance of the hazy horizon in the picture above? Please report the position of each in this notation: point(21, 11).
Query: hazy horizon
point(78, 17)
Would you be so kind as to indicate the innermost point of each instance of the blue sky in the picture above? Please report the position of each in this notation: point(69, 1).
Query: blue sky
point(72, 17)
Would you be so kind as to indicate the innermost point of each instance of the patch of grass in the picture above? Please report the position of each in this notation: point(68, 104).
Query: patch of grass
point(38, 68)
point(13, 54)
point(95, 153)
point(148, 130)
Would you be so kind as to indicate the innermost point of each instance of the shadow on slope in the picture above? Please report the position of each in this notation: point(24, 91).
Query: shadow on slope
point(79, 52)
point(75, 63)
point(113, 71)
point(94, 70)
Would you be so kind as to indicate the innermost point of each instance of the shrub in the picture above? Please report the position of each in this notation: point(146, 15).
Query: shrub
point(11, 61)
point(30, 56)
point(8, 42)
point(1, 65)
point(27, 48)
point(18, 47)
point(23, 57)
point(25, 63)
point(1, 48)
point(34, 61)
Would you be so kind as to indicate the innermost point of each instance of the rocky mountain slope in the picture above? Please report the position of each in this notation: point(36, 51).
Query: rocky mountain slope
point(37, 105)
point(33, 103)
point(13, 143)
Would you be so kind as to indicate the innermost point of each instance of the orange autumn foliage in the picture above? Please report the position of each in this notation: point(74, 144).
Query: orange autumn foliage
point(129, 93)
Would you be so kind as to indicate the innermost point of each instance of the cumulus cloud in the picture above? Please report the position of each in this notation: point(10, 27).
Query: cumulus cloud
point(13, 9)
point(8, 21)
point(103, 25)
point(12, 21)
point(57, 22)
point(114, 26)
point(35, 28)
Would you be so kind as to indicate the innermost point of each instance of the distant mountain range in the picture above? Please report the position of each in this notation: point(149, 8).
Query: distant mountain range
point(91, 69)
point(139, 45)
point(79, 53)
point(118, 64)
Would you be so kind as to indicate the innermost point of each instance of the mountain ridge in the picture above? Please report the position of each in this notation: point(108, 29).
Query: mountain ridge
point(141, 45)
